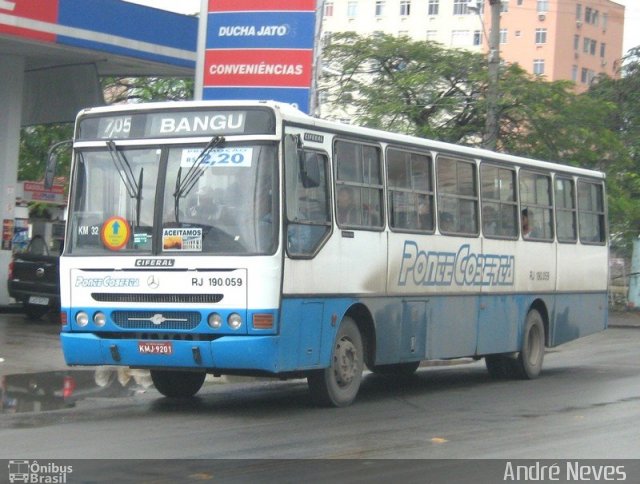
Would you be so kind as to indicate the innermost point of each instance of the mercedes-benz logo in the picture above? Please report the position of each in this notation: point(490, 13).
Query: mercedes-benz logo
point(157, 319)
point(153, 282)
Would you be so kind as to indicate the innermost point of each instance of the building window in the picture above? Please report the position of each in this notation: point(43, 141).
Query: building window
point(504, 6)
point(542, 6)
point(328, 9)
point(434, 7)
point(352, 8)
point(503, 36)
point(519, 2)
point(578, 11)
point(477, 37)
point(574, 73)
point(587, 75)
point(326, 39)
point(605, 21)
point(603, 49)
point(379, 8)
point(460, 7)
point(576, 42)
point(591, 16)
point(538, 67)
point(589, 46)
point(541, 36)
point(405, 7)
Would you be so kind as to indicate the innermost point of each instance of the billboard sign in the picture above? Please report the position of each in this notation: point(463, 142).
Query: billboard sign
point(259, 50)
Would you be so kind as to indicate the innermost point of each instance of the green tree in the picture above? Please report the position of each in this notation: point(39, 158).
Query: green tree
point(120, 90)
point(405, 86)
point(624, 183)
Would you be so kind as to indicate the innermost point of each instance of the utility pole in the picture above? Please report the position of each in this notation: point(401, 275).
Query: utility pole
point(491, 125)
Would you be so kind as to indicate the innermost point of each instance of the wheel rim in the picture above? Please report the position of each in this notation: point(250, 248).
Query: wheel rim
point(345, 362)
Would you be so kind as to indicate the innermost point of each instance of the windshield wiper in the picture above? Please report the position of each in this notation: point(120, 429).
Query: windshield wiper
point(126, 174)
point(124, 169)
point(197, 169)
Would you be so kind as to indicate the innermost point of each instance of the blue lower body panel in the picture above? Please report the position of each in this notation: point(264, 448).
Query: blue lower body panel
point(256, 353)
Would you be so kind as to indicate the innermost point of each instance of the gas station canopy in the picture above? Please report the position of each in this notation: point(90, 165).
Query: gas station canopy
point(67, 44)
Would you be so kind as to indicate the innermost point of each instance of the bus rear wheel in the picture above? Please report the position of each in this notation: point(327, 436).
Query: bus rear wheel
point(338, 385)
point(177, 384)
point(528, 365)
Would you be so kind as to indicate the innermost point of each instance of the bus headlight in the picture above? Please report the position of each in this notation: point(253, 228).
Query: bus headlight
point(82, 319)
point(214, 320)
point(234, 321)
point(99, 319)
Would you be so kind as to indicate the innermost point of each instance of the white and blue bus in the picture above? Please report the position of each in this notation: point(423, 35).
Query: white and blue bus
point(249, 238)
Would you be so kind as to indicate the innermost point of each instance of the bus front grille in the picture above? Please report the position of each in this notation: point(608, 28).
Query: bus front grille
point(160, 320)
point(157, 298)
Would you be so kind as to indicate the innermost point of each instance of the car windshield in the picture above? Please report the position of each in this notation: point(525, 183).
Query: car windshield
point(153, 201)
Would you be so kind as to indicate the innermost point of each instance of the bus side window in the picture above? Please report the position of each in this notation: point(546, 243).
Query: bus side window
point(536, 214)
point(499, 201)
point(457, 196)
point(591, 212)
point(307, 204)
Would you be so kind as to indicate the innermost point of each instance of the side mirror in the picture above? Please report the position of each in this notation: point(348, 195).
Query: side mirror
point(52, 161)
point(309, 169)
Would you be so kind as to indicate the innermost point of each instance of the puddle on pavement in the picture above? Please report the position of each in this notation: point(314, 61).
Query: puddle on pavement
point(52, 390)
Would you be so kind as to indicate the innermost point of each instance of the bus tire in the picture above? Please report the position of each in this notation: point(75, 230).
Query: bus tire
point(338, 385)
point(396, 369)
point(177, 384)
point(528, 365)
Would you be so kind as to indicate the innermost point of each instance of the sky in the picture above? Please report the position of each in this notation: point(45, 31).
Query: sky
point(631, 27)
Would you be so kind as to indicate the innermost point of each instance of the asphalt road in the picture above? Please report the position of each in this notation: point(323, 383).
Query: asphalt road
point(585, 405)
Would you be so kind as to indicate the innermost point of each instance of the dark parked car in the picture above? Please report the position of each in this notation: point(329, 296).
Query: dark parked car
point(34, 279)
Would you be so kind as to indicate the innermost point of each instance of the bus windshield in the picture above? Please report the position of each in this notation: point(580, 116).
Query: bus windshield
point(132, 200)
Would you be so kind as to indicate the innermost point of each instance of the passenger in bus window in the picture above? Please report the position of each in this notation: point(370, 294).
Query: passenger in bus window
point(528, 225)
point(346, 208)
point(425, 220)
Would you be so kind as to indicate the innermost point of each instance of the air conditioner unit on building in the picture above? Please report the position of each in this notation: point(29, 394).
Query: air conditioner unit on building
point(603, 62)
point(541, 17)
point(578, 23)
point(576, 55)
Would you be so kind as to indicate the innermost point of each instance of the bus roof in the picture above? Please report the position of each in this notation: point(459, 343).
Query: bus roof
point(290, 114)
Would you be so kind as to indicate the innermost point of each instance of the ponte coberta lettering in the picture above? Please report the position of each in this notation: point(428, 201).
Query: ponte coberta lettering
point(461, 268)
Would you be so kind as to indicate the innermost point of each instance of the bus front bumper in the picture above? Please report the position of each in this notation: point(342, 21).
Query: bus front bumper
point(251, 353)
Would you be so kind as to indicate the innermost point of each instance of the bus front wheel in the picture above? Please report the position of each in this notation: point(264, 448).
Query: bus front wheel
point(177, 384)
point(338, 385)
point(529, 362)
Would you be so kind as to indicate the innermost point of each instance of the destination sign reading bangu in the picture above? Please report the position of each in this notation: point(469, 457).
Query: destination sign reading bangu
point(462, 268)
point(163, 124)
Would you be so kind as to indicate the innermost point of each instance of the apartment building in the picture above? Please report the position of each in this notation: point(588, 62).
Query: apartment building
point(559, 39)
